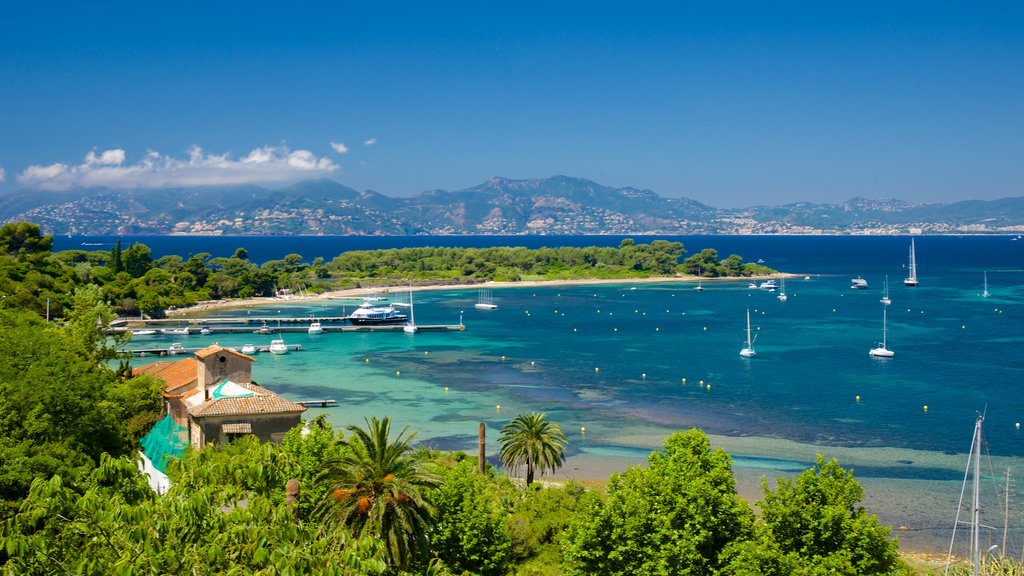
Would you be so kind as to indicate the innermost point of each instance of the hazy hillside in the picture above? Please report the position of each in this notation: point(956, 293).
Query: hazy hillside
point(556, 205)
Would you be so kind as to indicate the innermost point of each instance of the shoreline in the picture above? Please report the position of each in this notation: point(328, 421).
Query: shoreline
point(349, 293)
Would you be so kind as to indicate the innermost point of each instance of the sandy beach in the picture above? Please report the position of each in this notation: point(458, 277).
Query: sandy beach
point(356, 293)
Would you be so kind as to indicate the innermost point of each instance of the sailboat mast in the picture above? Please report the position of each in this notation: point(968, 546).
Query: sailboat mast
point(748, 329)
point(976, 514)
point(884, 327)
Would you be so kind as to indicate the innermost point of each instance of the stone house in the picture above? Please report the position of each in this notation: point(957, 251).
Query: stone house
point(213, 396)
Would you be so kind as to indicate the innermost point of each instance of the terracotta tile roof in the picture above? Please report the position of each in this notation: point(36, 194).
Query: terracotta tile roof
point(217, 348)
point(262, 402)
point(150, 367)
point(176, 375)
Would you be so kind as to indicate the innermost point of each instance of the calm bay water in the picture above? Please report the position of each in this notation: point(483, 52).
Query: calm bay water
point(613, 359)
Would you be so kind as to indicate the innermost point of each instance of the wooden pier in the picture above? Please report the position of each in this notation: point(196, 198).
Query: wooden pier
point(143, 352)
point(274, 329)
point(320, 403)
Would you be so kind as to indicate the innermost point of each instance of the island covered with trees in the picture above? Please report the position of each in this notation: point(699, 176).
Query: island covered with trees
point(136, 283)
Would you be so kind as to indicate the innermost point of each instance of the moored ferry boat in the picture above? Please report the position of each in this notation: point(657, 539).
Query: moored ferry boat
point(374, 313)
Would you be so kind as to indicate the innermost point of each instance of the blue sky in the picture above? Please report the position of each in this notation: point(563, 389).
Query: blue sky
point(729, 103)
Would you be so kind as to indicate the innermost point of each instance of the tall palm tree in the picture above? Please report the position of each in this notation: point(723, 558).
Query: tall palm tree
point(378, 487)
point(531, 441)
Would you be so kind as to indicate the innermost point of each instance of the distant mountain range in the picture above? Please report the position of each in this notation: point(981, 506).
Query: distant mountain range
point(556, 205)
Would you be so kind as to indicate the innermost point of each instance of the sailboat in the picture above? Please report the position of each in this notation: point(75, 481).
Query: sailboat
point(748, 351)
point(912, 279)
point(985, 293)
point(410, 326)
point(885, 294)
point(881, 351)
point(700, 275)
point(782, 291)
point(485, 301)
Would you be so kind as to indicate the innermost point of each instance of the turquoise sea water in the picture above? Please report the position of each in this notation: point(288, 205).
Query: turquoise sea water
point(612, 359)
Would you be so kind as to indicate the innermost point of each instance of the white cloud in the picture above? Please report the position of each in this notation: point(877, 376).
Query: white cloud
point(155, 170)
point(113, 157)
point(3, 174)
point(339, 147)
point(370, 142)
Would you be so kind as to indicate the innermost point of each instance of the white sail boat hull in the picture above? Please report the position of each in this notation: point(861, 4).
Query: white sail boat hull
point(485, 302)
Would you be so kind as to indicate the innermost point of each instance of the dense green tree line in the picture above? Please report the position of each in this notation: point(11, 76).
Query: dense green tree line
point(135, 283)
point(227, 512)
point(629, 260)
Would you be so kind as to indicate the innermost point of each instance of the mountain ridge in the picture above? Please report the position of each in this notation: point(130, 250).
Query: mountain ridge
point(554, 205)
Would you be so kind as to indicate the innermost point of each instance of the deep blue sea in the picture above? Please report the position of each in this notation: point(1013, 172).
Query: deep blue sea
point(631, 363)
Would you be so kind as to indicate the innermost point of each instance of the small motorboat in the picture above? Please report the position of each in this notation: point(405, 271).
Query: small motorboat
point(859, 283)
point(249, 349)
point(175, 348)
point(143, 332)
point(278, 347)
point(205, 331)
point(315, 328)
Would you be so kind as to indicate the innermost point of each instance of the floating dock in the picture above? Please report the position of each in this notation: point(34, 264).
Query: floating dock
point(142, 352)
point(261, 327)
point(320, 403)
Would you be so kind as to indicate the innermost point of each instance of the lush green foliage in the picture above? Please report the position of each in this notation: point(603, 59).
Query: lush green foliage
point(469, 533)
point(537, 524)
point(117, 525)
point(22, 238)
point(813, 525)
point(674, 517)
point(60, 407)
point(378, 487)
point(532, 442)
point(706, 264)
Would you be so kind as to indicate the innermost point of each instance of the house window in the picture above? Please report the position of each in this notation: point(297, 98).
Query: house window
point(236, 430)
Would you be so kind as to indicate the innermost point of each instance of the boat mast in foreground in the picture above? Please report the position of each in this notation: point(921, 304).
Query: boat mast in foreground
point(973, 461)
